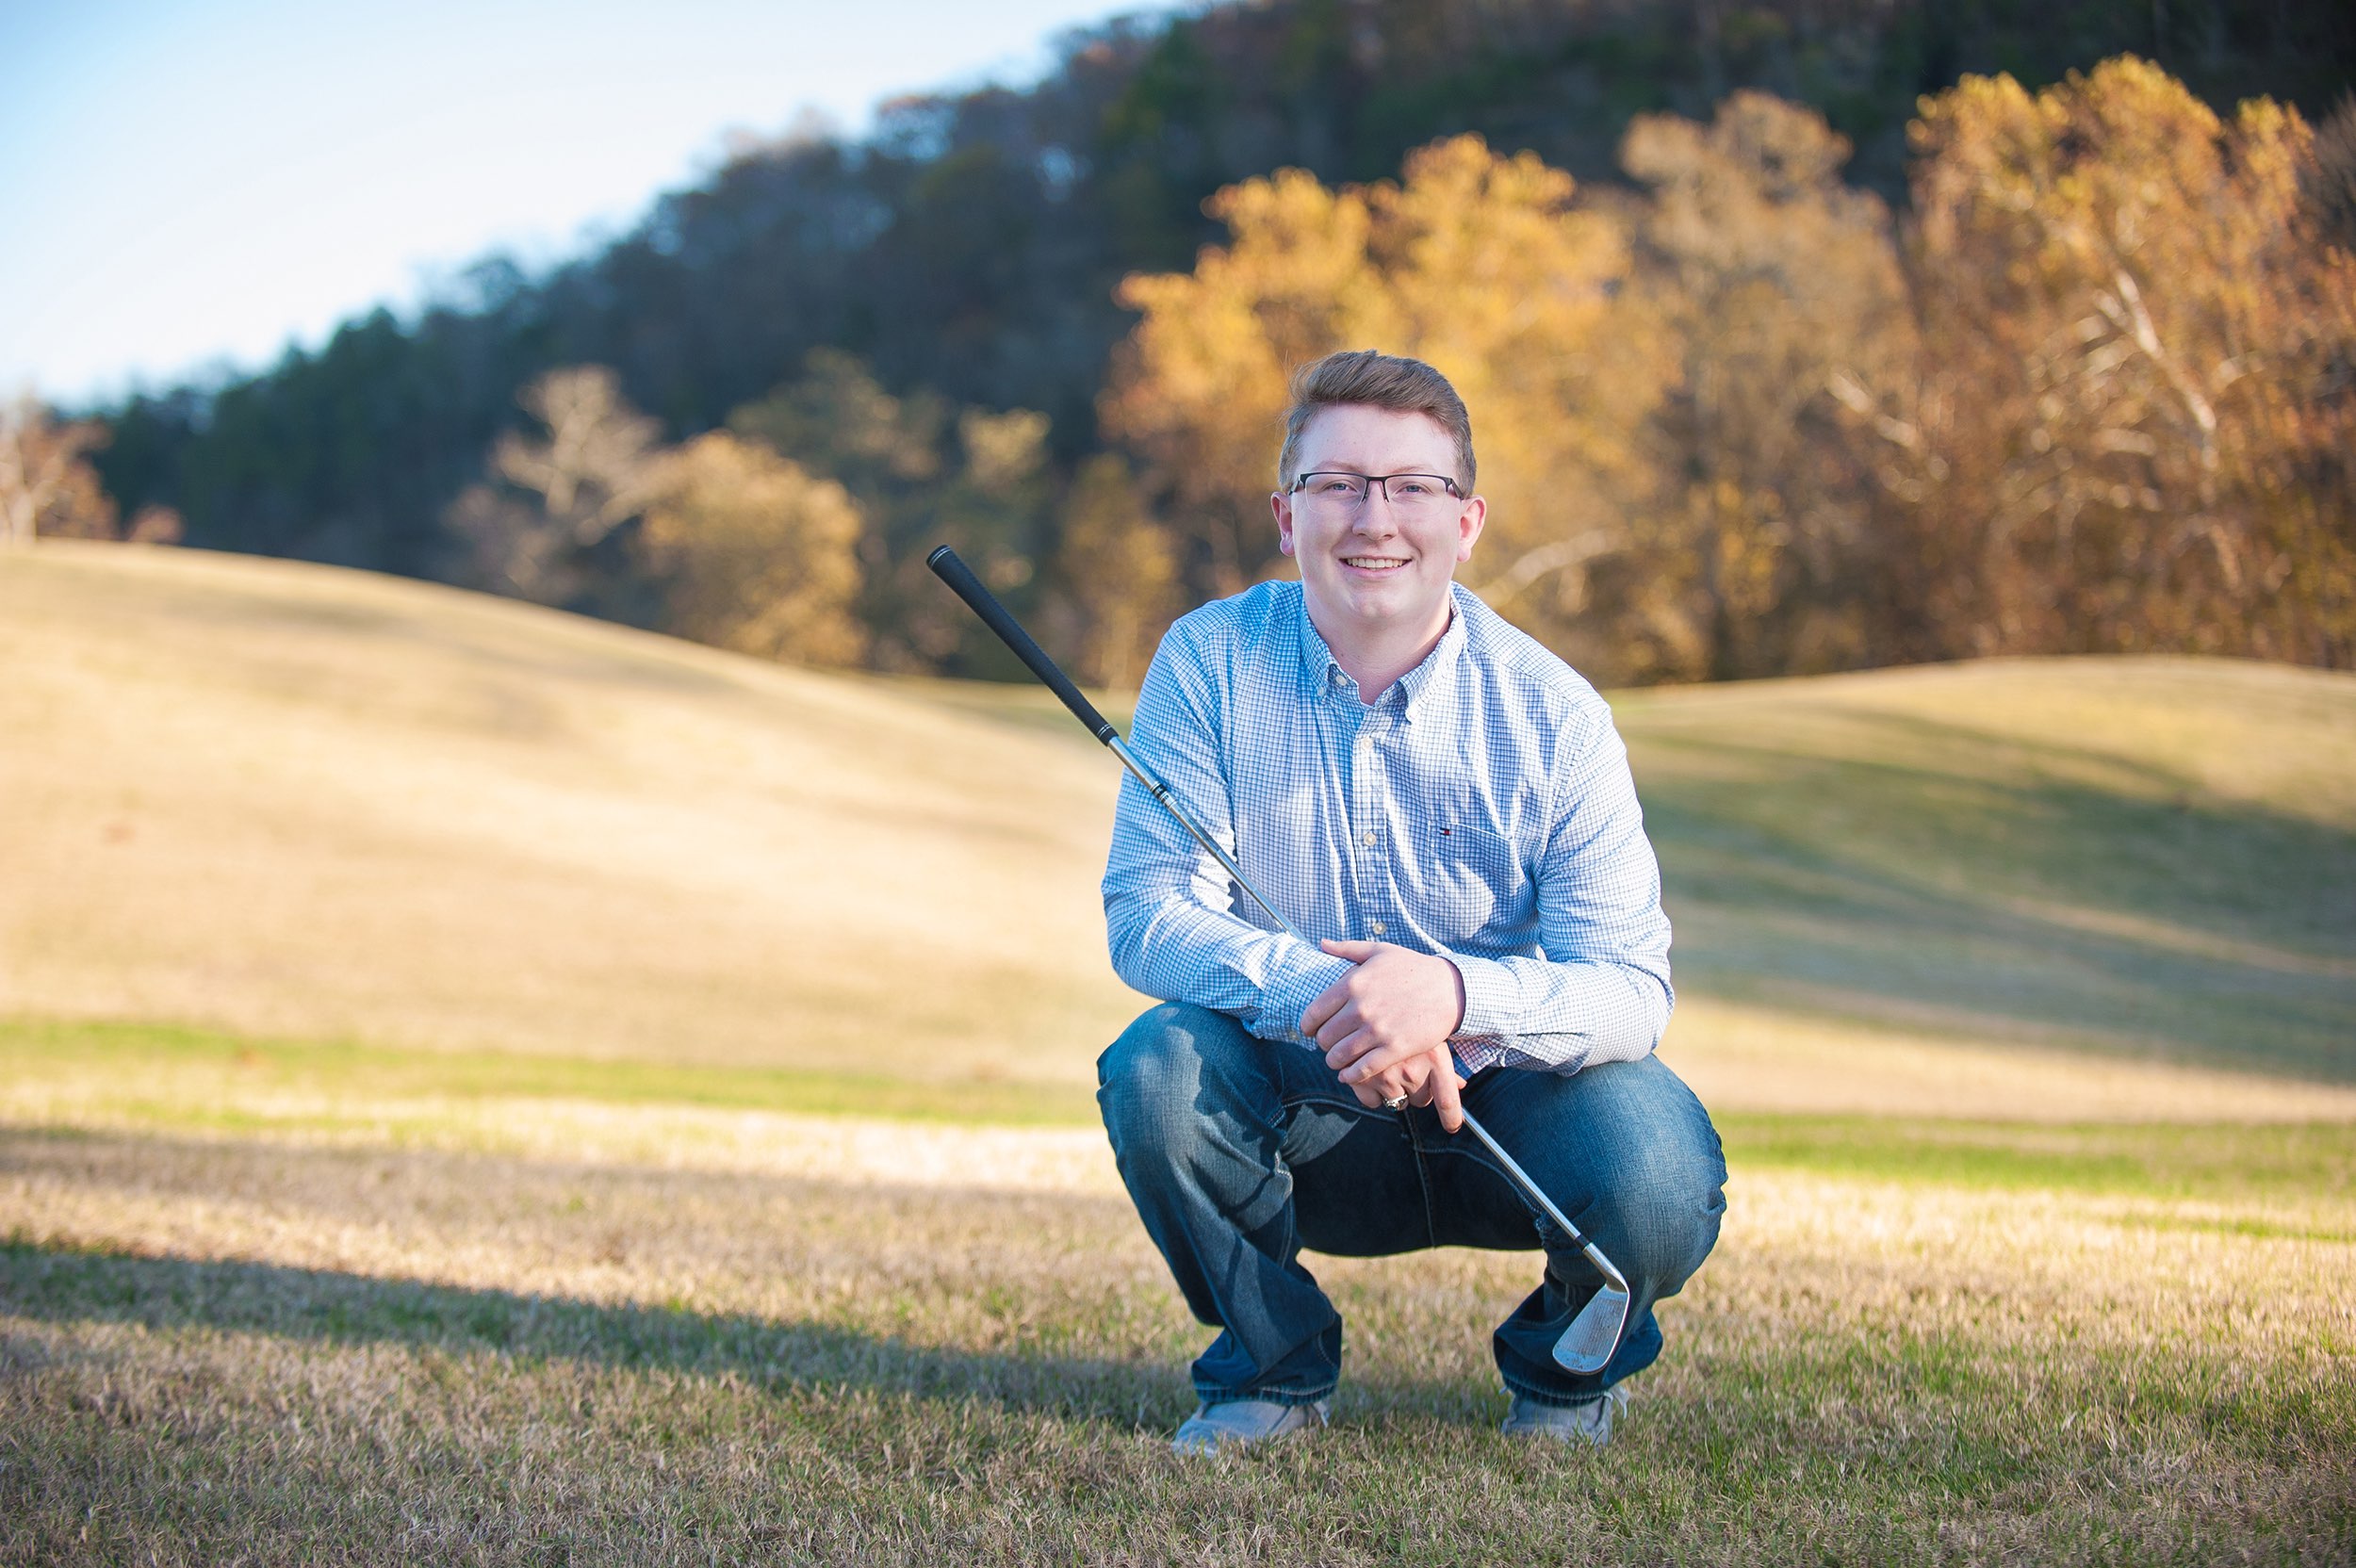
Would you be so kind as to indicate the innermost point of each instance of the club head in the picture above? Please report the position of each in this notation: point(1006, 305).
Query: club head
point(1595, 1333)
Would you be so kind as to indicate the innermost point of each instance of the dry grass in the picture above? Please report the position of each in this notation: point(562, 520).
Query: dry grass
point(270, 1351)
point(285, 800)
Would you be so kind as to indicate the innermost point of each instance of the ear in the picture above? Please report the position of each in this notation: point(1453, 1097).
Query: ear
point(1468, 526)
point(1281, 504)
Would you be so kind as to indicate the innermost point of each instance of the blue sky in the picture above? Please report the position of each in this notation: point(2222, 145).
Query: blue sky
point(188, 184)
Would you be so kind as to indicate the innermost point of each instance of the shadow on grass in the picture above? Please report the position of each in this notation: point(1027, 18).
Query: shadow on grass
point(2022, 889)
point(66, 1284)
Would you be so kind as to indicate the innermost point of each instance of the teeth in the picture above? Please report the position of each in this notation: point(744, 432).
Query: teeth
point(1372, 562)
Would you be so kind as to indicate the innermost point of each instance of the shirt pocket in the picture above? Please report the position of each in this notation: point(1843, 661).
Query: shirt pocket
point(1477, 882)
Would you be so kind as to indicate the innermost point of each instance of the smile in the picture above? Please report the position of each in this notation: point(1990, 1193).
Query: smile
point(1373, 562)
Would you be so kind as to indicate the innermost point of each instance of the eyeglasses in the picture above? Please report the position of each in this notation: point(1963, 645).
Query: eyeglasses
point(1343, 491)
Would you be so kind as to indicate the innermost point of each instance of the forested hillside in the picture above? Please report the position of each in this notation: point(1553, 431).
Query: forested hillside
point(1784, 411)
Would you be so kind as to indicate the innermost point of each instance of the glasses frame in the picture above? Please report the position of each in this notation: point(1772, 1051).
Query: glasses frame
point(1373, 482)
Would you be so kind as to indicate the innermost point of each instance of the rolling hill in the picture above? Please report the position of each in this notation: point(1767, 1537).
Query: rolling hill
point(293, 801)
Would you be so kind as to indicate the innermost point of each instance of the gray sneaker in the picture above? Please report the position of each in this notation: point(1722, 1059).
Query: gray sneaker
point(1589, 1421)
point(1244, 1424)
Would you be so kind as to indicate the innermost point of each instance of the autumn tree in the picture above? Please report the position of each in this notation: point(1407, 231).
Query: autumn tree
point(2132, 425)
point(755, 553)
point(1115, 588)
point(1778, 286)
point(589, 469)
point(47, 485)
point(924, 472)
point(1477, 263)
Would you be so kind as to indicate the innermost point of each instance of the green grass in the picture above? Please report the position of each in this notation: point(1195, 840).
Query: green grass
point(172, 1077)
point(210, 1072)
point(2302, 1162)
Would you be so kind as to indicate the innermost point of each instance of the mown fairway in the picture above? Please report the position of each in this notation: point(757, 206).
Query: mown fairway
point(480, 1085)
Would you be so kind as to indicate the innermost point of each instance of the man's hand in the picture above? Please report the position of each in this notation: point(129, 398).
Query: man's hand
point(1385, 1026)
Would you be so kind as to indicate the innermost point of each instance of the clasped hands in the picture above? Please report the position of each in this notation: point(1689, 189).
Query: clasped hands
point(1385, 1027)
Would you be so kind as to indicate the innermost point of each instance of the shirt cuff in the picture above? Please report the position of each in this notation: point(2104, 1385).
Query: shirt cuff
point(1302, 973)
point(1493, 998)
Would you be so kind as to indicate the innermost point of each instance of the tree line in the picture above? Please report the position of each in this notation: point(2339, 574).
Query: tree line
point(1746, 404)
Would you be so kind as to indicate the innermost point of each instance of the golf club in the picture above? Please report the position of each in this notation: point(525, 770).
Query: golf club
point(1587, 1345)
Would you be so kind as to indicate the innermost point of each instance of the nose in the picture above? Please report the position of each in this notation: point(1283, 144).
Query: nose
point(1374, 513)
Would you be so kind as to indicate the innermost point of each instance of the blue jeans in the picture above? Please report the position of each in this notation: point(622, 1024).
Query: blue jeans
point(1239, 1152)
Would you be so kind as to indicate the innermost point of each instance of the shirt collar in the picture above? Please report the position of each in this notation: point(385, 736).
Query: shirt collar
point(1321, 672)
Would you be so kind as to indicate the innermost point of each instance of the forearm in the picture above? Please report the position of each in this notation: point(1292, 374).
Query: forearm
point(1171, 945)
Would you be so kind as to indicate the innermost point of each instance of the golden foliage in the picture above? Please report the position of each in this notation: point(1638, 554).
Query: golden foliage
point(758, 554)
point(1117, 575)
point(1475, 262)
point(2104, 399)
point(2137, 409)
point(1775, 282)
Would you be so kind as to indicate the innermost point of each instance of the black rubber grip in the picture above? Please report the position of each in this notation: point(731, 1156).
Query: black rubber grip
point(962, 580)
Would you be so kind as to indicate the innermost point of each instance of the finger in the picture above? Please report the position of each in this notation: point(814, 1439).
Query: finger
point(1409, 1080)
point(1340, 1027)
point(1374, 1056)
point(1367, 1096)
point(1348, 1047)
point(1448, 1097)
point(1328, 1003)
point(1357, 953)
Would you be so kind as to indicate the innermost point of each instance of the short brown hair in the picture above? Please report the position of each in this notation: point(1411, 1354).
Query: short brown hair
point(1382, 380)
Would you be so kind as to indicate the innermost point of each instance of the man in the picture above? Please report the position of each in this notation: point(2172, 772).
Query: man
point(1446, 808)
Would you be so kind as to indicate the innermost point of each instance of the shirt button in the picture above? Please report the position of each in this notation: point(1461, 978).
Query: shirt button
point(1366, 838)
point(1376, 926)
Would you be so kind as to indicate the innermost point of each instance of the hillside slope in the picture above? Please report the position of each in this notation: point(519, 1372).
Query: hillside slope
point(295, 801)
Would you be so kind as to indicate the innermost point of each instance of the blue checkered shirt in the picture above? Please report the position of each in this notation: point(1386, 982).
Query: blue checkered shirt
point(1481, 809)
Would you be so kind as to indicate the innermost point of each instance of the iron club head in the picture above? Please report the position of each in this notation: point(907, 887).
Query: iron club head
point(1595, 1333)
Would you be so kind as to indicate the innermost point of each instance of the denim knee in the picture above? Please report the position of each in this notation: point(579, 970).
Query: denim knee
point(1664, 1216)
point(1158, 1080)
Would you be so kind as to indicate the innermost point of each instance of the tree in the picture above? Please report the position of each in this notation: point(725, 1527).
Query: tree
point(1115, 576)
point(1778, 285)
point(593, 467)
point(924, 473)
point(2135, 426)
point(755, 553)
point(47, 485)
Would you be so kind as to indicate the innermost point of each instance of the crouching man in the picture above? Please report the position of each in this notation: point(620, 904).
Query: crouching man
point(1446, 808)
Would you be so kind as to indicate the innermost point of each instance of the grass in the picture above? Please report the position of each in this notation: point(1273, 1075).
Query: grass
point(494, 1176)
point(262, 1346)
point(168, 1075)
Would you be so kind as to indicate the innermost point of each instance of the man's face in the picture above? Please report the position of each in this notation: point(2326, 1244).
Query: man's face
point(1377, 566)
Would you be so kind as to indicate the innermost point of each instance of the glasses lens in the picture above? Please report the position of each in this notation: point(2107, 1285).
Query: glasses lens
point(1336, 489)
point(1416, 489)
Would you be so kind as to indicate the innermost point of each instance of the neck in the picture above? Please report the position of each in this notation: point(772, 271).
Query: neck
point(1376, 655)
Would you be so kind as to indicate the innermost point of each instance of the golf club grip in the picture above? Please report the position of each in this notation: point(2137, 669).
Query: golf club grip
point(962, 581)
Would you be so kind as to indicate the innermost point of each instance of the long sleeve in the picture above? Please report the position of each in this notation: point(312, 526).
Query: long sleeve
point(1177, 926)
